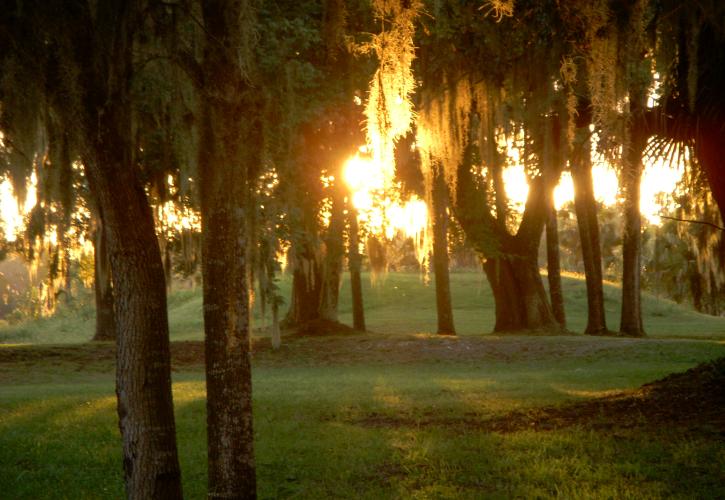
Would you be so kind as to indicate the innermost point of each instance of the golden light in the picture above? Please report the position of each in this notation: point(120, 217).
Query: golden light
point(606, 184)
point(362, 175)
point(380, 210)
point(658, 178)
point(11, 215)
point(516, 185)
point(564, 191)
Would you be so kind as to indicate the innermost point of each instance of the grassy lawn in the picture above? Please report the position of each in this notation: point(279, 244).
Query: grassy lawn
point(397, 303)
point(378, 415)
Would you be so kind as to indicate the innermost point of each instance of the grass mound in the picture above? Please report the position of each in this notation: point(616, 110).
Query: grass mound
point(690, 400)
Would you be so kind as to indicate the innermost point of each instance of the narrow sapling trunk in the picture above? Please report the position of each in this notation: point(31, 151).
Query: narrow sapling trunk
point(439, 200)
point(553, 266)
point(552, 162)
point(355, 263)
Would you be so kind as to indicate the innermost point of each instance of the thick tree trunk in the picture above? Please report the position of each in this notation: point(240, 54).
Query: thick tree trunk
point(519, 294)
point(228, 152)
point(631, 318)
point(585, 206)
point(105, 319)
point(143, 373)
point(355, 263)
point(143, 367)
point(511, 263)
point(553, 265)
point(440, 254)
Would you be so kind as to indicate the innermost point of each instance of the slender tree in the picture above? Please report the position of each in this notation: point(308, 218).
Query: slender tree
point(439, 209)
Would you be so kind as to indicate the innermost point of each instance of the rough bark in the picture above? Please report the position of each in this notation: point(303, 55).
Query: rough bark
point(227, 154)
point(631, 317)
point(585, 206)
point(143, 372)
point(439, 198)
point(355, 263)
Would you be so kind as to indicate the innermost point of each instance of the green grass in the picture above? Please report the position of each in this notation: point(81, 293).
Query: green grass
point(378, 416)
point(59, 437)
point(397, 303)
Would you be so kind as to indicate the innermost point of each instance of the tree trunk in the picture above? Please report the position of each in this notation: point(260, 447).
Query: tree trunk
point(275, 333)
point(168, 272)
point(519, 294)
point(552, 166)
point(105, 319)
point(696, 288)
point(355, 263)
point(228, 151)
point(553, 265)
point(333, 257)
point(585, 206)
point(143, 373)
point(511, 263)
point(143, 366)
point(631, 318)
point(440, 254)
point(306, 284)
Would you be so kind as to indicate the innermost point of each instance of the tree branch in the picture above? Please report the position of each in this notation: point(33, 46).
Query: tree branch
point(693, 221)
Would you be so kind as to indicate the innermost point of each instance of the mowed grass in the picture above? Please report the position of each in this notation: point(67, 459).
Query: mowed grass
point(314, 436)
point(379, 415)
point(398, 303)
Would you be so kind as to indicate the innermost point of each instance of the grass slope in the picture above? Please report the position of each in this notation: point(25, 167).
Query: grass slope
point(397, 303)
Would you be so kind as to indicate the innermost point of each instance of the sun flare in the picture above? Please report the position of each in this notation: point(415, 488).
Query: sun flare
point(381, 210)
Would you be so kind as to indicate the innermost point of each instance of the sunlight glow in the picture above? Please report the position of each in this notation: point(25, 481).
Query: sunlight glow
point(11, 215)
point(659, 179)
point(516, 185)
point(380, 211)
